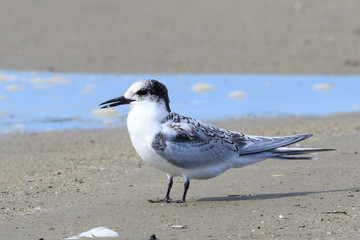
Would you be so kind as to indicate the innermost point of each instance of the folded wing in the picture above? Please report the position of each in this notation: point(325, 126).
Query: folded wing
point(189, 143)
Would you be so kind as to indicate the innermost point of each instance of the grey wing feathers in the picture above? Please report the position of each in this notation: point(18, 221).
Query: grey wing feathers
point(259, 144)
point(189, 143)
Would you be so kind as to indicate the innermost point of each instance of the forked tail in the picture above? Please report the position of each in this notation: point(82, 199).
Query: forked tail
point(288, 153)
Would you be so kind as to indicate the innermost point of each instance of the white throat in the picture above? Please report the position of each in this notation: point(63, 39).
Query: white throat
point(144, 121)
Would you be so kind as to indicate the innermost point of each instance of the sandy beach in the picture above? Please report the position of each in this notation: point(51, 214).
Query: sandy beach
point(114, 36)
point(63, 183)
point(59, 184)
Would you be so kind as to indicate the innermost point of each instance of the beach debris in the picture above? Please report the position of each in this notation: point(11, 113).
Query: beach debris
point(237, 94)
point(95, 233)
point(153, 237)
point(178, 226)
point(350, 194)
point(335, 212)
point(203, 88)
point(323, 86)
point(278, 175)
point(243, 195)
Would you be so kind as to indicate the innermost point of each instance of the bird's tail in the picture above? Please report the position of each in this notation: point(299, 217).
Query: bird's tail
point(288, 153)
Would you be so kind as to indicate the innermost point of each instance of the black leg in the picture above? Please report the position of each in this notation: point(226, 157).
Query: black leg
point(170, 183)
point(186, 188)
point(167, 196)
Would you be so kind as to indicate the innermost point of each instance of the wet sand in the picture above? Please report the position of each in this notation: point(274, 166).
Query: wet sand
point(59, 184)
point(63, 183)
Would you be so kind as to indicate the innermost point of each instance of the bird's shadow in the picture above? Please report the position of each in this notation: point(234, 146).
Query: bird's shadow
point(268, 196)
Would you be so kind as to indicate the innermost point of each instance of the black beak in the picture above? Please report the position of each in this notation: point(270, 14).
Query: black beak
point(115, 102)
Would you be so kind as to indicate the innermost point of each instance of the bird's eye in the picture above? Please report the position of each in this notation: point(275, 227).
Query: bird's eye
point(142, 92)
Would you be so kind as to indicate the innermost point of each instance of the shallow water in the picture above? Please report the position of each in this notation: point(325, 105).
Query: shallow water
point(43, 101)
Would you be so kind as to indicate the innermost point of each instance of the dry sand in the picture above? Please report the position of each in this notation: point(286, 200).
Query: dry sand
point(236, 36)
point(63, 183)
point(60, 184)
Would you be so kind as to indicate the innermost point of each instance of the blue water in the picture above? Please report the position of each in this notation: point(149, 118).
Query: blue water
point(43, 101)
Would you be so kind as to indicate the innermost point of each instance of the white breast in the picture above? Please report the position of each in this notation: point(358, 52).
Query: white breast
point(144, 123)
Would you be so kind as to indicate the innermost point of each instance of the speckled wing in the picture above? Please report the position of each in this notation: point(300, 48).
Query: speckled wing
point(189, 143)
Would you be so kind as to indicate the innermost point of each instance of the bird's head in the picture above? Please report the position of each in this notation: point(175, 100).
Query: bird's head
point(142, 91)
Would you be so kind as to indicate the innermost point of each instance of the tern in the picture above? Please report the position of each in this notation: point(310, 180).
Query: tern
point(190, 148)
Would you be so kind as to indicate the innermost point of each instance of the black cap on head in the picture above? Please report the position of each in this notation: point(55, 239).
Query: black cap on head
point(155, 88)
